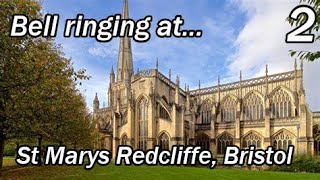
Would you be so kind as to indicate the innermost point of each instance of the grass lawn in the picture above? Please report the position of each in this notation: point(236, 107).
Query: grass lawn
point(12, 171)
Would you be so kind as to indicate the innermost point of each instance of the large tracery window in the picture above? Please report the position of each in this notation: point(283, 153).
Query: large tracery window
point(253, 107)
point(143, 124)
point(164, 141)
point(203, 141)
point(280, 104)
point(282, 140)
point(206, 112)
point(229, 109)
point(251, 139)
point(223, 141)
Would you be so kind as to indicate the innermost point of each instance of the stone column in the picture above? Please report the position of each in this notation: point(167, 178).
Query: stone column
point(181, 120)
point(115, 141)
point(267, 135)
point(212, 139)
point(192, 130)
point(151, 130)
point(237, 126)
point(130, 125)
point(174, 124)
point(302, 130)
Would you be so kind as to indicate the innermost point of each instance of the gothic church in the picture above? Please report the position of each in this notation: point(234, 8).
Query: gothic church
point(147, 108)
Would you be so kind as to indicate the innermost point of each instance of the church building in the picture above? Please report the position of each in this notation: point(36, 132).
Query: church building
point(147, 108)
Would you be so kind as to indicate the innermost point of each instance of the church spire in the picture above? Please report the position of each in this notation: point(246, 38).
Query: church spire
point(125, 10)
point(112, 71)
point(96, 103)
point(96, 98)
point(125, 65)
point(112, 75)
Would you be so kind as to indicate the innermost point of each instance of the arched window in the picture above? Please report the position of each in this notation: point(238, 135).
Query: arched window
point(253, 107)
point(223, 141)
point(252, 139)
point(282, 140)
point(316, 136)
point(143, 124)
point(206, 112)
point(203, 141)
point(317, 145)
point(163, 113)
point(124, 140)
point(164, 141)
point(229, 109)
point(280, 104)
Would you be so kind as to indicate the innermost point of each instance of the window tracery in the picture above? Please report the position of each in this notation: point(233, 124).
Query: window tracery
point(163, 113)
point(143, 124)
point(223, 141)
point(164, 141)
point(282, 140)
point(251, 139)
point(229, 109)
point(253, 107)
point(203, 141)
point(280, 104)
point(205, 113)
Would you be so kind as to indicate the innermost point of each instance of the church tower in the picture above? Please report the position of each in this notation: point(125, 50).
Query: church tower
point(148, 109)
point(120, 87)
point(125, 65)
point(120, 82)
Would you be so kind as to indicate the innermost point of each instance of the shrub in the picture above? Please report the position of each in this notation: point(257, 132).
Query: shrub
point(304, 163)
point(10, 149)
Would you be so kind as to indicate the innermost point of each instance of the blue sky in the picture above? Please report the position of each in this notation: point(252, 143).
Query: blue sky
point(237, 35)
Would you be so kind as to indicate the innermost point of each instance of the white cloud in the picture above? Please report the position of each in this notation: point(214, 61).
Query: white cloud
point(220, 29)
point(105, 50)
point(262, 41)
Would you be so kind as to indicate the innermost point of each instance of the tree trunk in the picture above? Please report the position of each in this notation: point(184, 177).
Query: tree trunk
point(40, 149)
point(17, 147)
point(2, 141)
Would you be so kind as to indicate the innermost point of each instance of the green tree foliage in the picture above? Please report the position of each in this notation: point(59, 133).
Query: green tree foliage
point(307, 55)
point(38, 95)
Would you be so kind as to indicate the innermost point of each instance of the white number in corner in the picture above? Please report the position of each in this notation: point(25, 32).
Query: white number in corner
point(299, 35)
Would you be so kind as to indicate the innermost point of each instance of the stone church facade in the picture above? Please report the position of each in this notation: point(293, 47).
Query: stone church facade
point(147, 108)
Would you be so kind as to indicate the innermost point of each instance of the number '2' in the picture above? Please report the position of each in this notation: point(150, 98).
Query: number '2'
point(299, 35)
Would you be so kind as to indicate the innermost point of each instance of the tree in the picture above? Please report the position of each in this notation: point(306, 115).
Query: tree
point(36, 81)
point(307, 55)
point(39, 108)
point(76, 128)
point(12, 58)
